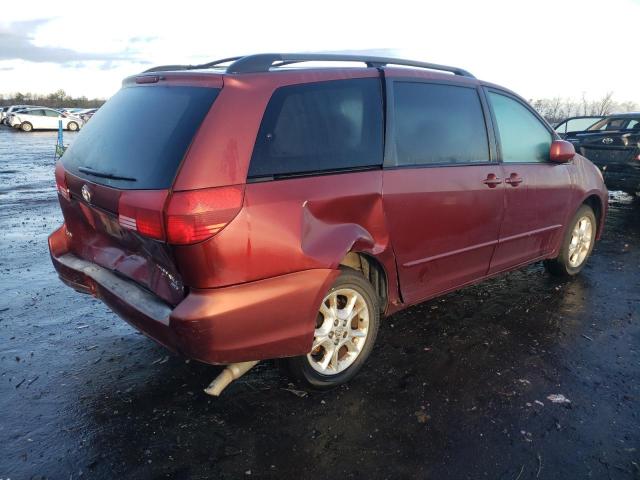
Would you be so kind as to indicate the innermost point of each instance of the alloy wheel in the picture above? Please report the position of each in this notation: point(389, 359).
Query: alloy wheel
point(341, 331)
point(580, 243)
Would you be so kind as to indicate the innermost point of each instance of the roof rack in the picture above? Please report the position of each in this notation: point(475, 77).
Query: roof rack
point(202, 66)
point(263, 62)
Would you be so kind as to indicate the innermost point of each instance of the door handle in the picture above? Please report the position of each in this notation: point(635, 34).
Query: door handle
point(492, 180)
point(514, 180)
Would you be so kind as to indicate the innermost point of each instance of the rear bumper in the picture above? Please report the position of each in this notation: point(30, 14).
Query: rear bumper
point(258, 320)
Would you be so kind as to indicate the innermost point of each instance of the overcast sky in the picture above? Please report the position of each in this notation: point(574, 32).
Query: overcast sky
point(539, 48)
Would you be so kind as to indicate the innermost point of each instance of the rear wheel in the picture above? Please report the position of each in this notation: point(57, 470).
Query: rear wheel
point(72, 126)
point(576, 246)
point(26, 127)
point(346, 328)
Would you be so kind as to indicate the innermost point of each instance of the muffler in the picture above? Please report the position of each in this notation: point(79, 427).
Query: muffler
point(228, 375)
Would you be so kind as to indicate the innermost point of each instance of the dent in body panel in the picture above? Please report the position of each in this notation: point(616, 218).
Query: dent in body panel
point(292, 225)
point(333, 227)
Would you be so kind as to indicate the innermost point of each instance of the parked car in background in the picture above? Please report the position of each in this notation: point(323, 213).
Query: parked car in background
point(9, 110)
point(71, 111)
point(576, 124)
point(87, 114)
point(42, 119)
point(613, 144)
point(262, 211)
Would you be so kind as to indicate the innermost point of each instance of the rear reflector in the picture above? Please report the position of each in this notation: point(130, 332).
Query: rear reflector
point(141, 211)
point(196, 215)
point(61, 182)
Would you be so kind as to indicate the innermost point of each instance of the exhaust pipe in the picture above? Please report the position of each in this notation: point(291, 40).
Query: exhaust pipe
point(228, 375)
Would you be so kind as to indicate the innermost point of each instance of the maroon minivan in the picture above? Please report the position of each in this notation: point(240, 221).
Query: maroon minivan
point(267, 207)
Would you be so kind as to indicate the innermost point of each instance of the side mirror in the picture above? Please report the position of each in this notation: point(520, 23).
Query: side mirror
point(561, 151)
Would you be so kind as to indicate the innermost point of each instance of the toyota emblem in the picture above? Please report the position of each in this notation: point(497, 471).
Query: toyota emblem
point(86, 193)
point(607, 140)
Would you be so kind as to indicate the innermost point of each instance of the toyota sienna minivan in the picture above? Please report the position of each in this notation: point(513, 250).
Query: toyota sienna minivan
point(280, 205)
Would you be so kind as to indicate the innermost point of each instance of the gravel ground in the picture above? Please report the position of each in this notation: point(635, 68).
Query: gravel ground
point(459, 387)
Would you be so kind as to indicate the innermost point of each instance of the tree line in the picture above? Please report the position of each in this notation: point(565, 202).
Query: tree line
point(57, 99)
point(557, 109)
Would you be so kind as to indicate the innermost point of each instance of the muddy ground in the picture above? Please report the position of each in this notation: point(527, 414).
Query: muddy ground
point(455, 388)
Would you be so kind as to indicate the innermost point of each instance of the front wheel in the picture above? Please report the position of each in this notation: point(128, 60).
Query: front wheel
point(72, 126)
point(345, 331)
point(26, 127)
point(576, 246)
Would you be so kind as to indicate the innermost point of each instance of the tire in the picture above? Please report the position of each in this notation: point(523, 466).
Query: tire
point(26, 127)
point(354, 344)
point(72, 126)
point(579, 236)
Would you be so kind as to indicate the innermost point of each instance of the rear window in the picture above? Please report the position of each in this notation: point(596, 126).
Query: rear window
point(326, 126)
point(140, 135)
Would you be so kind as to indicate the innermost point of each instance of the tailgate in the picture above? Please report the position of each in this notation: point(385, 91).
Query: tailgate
point(97, 236)
point(114, 180)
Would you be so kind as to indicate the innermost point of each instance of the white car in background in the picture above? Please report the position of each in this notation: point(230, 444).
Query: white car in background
point(4, 116)
point(43, 119)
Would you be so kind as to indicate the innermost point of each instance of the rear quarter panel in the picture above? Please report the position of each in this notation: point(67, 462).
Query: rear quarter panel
point(292, 225)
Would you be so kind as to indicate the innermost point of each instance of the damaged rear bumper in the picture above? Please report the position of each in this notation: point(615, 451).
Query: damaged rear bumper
point(268, 318)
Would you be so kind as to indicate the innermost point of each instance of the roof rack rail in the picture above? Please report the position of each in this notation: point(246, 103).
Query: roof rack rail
point(263, 62)
point(164, 68)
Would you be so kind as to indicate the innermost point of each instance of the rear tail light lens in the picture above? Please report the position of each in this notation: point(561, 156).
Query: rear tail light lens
point(142, 211)
point(61, 182)
point(196, 215)
point(191, 217)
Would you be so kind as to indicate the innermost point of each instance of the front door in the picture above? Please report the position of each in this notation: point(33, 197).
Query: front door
point(443, 196)
point(536, 190)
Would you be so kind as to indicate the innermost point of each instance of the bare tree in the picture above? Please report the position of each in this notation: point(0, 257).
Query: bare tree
point(604, 105)
point(557, 109)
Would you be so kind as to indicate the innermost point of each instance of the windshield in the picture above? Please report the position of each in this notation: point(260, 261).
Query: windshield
point(576, 124)
point(139, 137)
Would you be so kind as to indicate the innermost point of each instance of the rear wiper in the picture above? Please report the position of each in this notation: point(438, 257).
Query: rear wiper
point(88, 171)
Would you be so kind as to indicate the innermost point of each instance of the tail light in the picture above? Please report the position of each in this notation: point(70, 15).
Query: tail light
point(191, 217)
point(196, 215)
point(61, 181)
point(142, 211)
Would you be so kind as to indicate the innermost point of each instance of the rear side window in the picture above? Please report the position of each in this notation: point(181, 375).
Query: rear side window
point(523, 138)
point(140, 135)
point(317, 127)
point(438, 124)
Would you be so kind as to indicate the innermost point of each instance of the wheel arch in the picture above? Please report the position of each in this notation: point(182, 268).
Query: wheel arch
point(599, 209)
point(373, 270)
